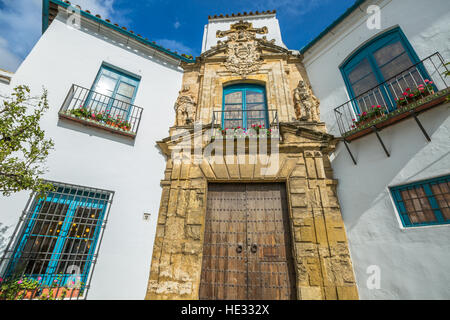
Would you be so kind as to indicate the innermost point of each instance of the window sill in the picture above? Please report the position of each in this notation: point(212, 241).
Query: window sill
point(398, 115)
point(96, 124)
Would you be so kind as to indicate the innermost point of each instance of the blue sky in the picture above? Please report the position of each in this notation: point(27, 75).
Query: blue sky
point(177, 25)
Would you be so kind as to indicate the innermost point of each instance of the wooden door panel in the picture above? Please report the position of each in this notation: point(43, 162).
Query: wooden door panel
point(224, 271)
point(270, 267)
point(255, 217)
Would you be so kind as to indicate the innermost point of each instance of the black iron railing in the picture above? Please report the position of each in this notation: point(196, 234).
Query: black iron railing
point(54, 248)
point(101, 110)
point(412, 84)
point(245, 123)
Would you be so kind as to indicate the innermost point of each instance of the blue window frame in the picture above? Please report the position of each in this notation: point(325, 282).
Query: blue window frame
point(244, 105)
point(423, 203)
point(113, 93)
point(60, 236)
point(376, 62)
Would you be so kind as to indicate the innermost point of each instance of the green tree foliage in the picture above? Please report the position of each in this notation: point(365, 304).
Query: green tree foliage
point(23, 146)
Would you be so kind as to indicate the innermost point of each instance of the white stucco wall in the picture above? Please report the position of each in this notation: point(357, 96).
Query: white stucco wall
point(96, 158)
point(414, 262)
point(214, 25)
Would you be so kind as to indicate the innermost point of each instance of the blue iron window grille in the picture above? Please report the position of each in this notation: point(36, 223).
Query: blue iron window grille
point(244, 105)
point(378, 61)
point(59, 237)
point(113, 92)
point(423, 203)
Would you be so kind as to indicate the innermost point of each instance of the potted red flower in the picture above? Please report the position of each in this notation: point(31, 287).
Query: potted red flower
point(368, 116)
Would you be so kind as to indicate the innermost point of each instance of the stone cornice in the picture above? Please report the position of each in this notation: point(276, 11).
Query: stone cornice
point(297, 136)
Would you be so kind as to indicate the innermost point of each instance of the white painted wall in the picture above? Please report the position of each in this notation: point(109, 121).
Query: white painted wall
point(96, 158)
point(270, 21)
point(414, 262)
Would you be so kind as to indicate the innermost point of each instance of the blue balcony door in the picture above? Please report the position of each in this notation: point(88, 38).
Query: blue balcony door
point(378, 61)
point(244, 106)
point(113, 92)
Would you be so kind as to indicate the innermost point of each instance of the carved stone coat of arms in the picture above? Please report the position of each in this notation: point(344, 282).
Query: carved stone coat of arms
point(243, 56)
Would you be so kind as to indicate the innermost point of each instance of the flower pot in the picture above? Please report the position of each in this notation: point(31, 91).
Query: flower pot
point(426, 93)
point(401, 105)
point(28, 294)
point(23, 294)
point(366, 121)
point(58, 293)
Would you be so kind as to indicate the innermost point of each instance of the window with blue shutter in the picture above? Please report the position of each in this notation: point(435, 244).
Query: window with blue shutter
point(423, 203)
point(113, 93)
point(244, 106)
point(60, 236)
point(378, 61)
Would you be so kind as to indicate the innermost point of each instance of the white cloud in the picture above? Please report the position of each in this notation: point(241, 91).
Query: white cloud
point(175, 45)
point(105, 8)
point(102, 7)
point(286, 7)
point(21, 26)
point(8, 60)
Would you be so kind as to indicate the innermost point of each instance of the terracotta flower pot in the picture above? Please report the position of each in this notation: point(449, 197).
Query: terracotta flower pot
point(27, 294)
point(426, 93)
point(58, 292)
point(366, 121)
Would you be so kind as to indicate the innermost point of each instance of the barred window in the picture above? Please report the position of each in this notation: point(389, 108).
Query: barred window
point(423, 203)
point(58, 239)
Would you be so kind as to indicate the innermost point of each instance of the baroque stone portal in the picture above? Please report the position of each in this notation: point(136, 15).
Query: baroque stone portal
point(318, 247)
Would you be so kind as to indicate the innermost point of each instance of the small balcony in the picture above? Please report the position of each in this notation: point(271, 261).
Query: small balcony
point(101, 111)
point(416, 89)
point(241, 124)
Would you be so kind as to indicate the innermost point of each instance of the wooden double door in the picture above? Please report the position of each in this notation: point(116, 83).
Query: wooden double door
point(247, 250)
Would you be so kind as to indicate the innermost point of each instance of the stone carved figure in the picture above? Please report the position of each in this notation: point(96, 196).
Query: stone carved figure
point(306, 104)
point(243, 56)
point(185, 110)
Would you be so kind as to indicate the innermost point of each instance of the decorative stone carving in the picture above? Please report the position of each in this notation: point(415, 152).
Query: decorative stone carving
point(243, 56)
point(306, 104)
point(185, 109)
